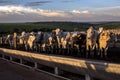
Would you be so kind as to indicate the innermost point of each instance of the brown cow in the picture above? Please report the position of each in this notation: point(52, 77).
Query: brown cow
point(104, 40)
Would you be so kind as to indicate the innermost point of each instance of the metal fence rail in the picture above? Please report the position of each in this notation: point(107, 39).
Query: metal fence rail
point(89, 68)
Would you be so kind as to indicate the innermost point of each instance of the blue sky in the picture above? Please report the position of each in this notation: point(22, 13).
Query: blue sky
point(59, 10)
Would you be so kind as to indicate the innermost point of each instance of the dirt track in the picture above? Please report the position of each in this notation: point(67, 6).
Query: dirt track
point(11, 71)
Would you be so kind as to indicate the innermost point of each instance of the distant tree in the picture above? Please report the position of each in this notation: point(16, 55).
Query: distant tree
point(16, 30)
point(75, 29)
point(35, 30)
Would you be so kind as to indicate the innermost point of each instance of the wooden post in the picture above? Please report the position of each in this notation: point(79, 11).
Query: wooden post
point(0, 39)
point(15, 40)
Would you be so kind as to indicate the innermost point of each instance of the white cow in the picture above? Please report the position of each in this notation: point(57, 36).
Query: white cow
point(91, 41)
point(9, 40)
point(58, 35)
point(31, 40)
point(38, 41)
point(47, 41)
point(23, 40)
point(62, 37)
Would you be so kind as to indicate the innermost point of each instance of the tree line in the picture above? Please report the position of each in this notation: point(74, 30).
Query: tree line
point(49, 26)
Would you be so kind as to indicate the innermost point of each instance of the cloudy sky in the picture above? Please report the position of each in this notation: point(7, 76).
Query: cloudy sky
point(12, 11)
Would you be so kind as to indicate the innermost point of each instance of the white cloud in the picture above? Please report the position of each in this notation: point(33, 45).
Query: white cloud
point(85, 12)
point(76, 11)
point(80, 12)
point(113, 11)
point(108, 8)
point(27, 14)
point(24, 10)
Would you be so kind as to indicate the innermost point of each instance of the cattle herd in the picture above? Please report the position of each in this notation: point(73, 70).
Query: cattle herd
point(90, 43)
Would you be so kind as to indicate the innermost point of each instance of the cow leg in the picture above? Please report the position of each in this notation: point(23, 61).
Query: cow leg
point(55, 49)
point(95, 52)
point(81, 50)
point(71, 49)
point(60, 50)
point(37, 47)
point(52, 48)
point(43, 48)
point(46, 49)
point(102, 52)
point(87, 51)
point(10, 44)
point(97, 49)
point(78, 50)
point(34, 47)
point(98, 52)
point(40, 49)
point(105, 52)
point(26, 48)
point(68, 50)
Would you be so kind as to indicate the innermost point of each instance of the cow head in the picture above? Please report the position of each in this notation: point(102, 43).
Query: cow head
point(105, 36)
point(90, 33)
point(100, 29)
point(23, 33)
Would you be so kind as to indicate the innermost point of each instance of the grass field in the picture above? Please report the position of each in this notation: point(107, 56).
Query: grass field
point(49, 26)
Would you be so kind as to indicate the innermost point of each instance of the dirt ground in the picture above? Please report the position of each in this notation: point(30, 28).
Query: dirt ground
point(11, 71)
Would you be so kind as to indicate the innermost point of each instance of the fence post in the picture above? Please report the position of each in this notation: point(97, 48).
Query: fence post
point(21, 61)
point(11, 58)
point(88, 77)
point(35, 65)
point(56, 70)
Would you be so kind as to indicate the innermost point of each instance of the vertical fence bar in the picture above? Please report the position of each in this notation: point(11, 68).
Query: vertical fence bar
point(56, 70)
